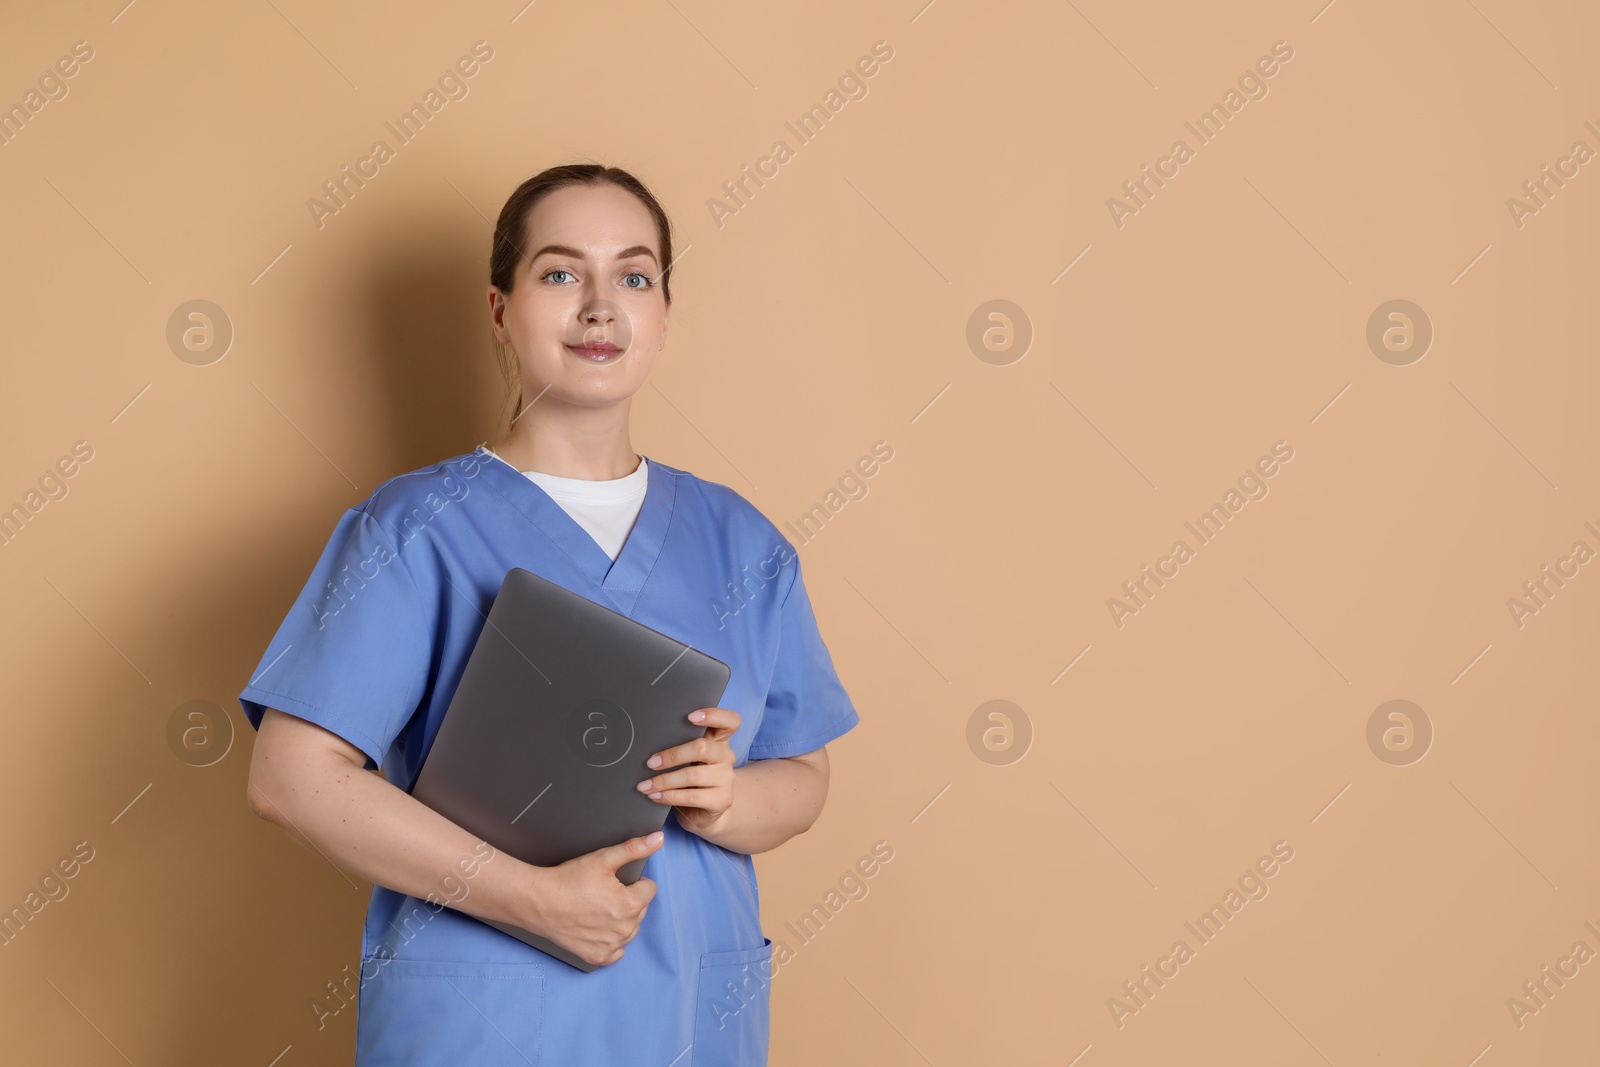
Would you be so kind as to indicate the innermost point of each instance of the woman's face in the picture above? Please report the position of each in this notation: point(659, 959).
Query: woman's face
point(585, 315)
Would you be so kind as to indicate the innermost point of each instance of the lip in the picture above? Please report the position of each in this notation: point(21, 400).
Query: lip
point(595, 349)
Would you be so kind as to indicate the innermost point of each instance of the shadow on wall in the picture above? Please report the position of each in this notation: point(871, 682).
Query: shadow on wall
point(268, 922)
point(438, 388)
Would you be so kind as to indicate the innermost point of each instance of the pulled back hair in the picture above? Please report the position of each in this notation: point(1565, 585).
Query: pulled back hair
point(508, 251)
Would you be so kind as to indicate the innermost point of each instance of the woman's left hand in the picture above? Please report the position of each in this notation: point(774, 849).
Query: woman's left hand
point(702, 792)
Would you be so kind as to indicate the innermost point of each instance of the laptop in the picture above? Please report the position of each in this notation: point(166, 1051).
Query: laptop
point(544, 742)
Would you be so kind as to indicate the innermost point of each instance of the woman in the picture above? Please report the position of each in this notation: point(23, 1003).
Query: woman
point(362, 670)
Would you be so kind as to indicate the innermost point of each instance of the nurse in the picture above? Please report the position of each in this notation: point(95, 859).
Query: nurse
point(362, 669)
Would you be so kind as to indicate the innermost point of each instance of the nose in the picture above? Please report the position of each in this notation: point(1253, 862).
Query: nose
point(596, 311)
point(599, 319)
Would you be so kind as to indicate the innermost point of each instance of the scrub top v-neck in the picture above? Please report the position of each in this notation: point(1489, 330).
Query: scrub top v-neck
point(606, 509)
point(640, 551)
point(373, 649)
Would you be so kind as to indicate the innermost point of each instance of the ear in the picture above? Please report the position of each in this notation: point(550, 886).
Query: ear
point(497, 313)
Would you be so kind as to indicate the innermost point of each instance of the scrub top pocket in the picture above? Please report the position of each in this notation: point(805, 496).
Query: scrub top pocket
point(732, 1008)
point(421, 1012)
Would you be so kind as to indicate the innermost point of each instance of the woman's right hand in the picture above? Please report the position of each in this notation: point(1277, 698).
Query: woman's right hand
point(581, 906)
point(311, 782)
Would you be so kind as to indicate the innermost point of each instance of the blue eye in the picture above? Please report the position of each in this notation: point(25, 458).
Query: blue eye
point(550, 274)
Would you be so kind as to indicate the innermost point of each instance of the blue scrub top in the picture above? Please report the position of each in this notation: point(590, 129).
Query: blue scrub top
point(373, 649)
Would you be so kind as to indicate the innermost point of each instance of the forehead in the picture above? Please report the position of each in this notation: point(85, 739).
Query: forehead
point(600, 220)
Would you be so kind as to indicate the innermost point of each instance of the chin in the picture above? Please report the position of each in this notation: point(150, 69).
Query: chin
point(598, 395)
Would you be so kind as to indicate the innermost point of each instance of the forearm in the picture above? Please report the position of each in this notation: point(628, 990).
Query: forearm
point(773, 800)
point(363, 824)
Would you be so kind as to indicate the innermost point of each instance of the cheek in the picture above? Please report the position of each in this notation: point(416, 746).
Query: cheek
point(645, 353)
point(646, 331)
point(539, 324)
point(654, 332)
point(541, 313)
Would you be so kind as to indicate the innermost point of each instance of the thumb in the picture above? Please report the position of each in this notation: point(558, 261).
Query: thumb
point(613, 857)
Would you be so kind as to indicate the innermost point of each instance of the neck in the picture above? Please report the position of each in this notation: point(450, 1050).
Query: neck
point(569, 442)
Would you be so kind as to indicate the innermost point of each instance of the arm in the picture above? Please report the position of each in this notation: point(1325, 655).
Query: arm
point(776, 799)
point(749, 809)
point(311, 782)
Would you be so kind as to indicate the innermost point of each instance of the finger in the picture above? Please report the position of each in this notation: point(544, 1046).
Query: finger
point(694, 776)
point(717, 719)
point(614, 856)
point(700, 750)
point(689, 752)
point(703, 798)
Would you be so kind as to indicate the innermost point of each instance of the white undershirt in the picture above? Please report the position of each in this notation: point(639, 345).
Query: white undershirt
point(606, 509)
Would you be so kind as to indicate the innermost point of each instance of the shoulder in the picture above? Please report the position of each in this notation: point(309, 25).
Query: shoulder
point(727, 508)
point(427, 489)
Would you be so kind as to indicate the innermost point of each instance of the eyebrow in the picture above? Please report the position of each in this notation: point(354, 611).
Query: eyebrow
point(563, 250)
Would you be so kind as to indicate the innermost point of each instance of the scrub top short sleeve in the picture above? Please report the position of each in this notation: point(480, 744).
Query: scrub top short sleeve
point(807, 705)
point(373, 650)
point(352, 655)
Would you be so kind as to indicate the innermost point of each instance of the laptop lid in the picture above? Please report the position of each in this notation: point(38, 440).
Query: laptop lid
point(545, 739)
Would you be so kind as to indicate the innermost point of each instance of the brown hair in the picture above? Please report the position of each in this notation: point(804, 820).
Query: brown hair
point(510, 233)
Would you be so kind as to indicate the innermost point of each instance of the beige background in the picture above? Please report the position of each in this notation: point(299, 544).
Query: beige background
point(829, 313)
